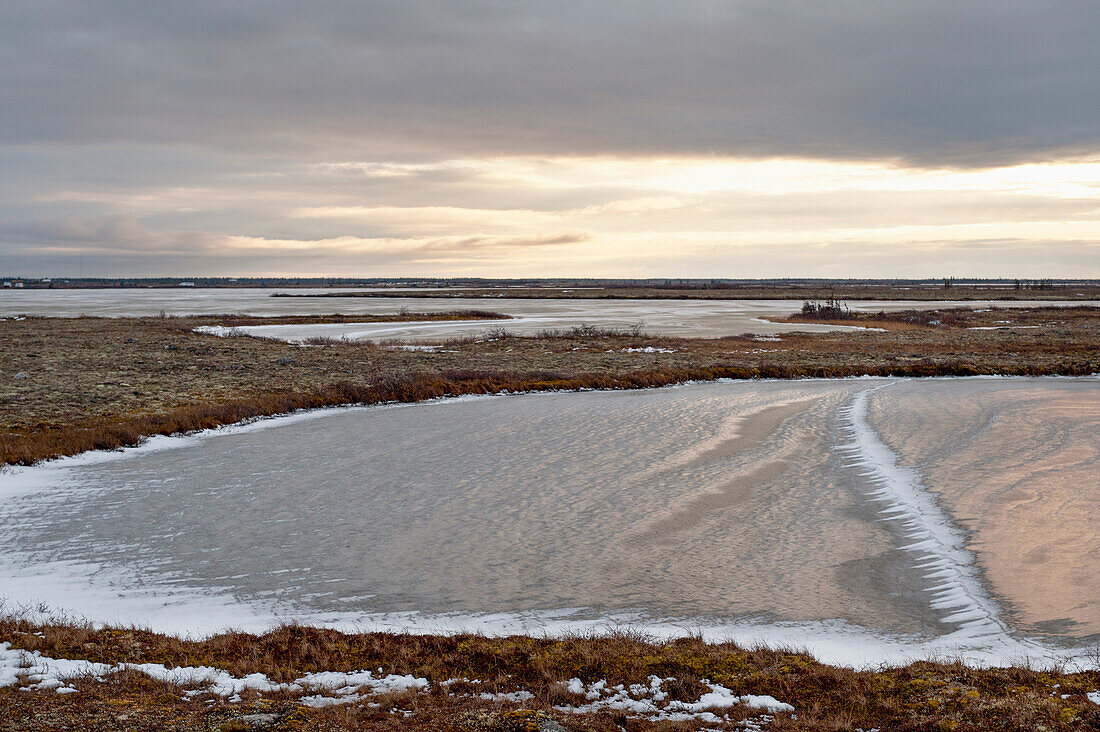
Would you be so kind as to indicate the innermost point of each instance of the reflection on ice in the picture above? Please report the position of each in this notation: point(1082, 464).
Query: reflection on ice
point(759, 511)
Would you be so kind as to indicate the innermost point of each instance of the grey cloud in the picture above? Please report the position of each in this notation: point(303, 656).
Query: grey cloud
point(934, 82)
point(119, 233)
point(1005, 258)
point(125, 237)
point(466, 245)
point(142, 135)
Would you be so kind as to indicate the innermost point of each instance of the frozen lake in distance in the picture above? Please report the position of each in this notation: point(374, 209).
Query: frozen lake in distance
point(700, 318)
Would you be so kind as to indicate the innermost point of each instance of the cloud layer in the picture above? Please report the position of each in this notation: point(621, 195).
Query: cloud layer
point(516, 137)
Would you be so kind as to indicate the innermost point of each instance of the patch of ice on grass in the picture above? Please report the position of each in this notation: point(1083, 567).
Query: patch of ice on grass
point(642, 700)
point(719, 697)
point(1094, 697)
point(36, 671)
point(404, 347)
point(507, 696)
point(214, 680)
point(347, 682)
point(649, 349)
point(317, 700)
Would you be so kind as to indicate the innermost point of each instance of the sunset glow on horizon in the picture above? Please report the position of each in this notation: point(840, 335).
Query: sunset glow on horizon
point(570, 154)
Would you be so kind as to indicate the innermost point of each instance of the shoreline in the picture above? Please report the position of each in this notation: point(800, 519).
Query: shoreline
point(68, 385)
point(449, 681)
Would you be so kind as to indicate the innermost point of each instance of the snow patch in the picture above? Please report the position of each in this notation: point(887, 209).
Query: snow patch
point(35, 671)
point(956, 591)
point(642, 700)
point(430, 349)
point(507, 696)
point(720, 697)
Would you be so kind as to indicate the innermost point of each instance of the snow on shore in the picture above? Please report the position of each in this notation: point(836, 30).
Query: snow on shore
point(32, 671)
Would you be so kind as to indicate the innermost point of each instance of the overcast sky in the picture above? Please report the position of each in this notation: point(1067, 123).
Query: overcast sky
point(712, 138)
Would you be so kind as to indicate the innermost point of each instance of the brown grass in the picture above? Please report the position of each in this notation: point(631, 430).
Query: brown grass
point(920, 696)
point(108, 433)
point(897, 320)
point(104, 383)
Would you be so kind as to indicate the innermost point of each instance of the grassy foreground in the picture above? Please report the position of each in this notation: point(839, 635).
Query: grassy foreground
point(68, 385)
point(921, 696)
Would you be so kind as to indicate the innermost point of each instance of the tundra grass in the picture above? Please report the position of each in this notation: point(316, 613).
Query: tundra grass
point(929, 695)
point(68, 385)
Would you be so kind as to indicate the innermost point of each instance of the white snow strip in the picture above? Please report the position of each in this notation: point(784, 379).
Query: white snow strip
point(33, 670)
point(939, 546)
point(1094, 697)
point(317, 700)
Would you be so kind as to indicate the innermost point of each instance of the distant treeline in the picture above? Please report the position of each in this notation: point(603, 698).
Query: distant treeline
point(481, 282)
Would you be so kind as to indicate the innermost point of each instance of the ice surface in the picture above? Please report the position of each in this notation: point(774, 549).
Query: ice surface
point(673, 317)
point(741, 511)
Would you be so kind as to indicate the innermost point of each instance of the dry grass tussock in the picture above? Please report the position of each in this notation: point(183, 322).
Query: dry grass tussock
point(108, 433)
point(71, 385)
point(921, 696)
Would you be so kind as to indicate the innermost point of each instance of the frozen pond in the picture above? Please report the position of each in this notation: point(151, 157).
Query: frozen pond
point(870, 517)
point(667, 317)
point(259, 301)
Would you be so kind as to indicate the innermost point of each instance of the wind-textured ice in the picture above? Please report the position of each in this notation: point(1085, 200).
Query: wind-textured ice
point(723, 509)
point(937, 545)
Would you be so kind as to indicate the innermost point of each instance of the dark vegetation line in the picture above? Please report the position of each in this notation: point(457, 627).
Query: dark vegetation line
point(721, 293)
point(123, 431)
point(68, 385)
